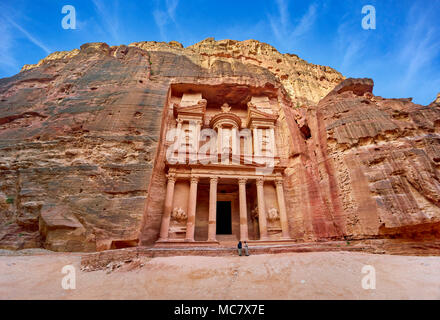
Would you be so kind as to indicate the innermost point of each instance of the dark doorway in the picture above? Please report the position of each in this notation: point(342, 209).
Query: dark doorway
point(224, 225)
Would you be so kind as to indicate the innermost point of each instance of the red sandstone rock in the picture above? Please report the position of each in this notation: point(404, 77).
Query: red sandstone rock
point(80, 134)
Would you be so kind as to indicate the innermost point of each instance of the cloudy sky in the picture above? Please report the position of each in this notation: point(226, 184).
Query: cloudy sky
point(402, 55)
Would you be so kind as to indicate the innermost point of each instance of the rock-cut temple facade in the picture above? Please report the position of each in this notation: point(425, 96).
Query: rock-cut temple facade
point(224, 171)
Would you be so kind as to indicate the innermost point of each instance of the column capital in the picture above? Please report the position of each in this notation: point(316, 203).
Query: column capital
point(171, 177)
point(214, 180)
point(194, 179)
point(279, 182)
point(260, 181)
point(242, 181)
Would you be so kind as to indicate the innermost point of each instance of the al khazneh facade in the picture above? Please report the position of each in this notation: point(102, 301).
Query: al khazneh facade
point(224, 174)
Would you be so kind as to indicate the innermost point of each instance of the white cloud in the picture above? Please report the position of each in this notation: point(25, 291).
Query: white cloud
point(10, 33)
point(282, 26)
point(171, 8)
point(350, 46)
point(108, 13)
point(421, 43)
point(161, 20)
point(29, 36)
point(306, 22)
point(162, 17)
point(7, 61)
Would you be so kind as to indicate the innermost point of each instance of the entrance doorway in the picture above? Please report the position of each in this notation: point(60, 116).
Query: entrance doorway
point(224, 222)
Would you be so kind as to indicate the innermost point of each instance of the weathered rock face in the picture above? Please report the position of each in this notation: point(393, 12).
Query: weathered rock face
point(385, 159)
point(305, 83)
point(79, 137)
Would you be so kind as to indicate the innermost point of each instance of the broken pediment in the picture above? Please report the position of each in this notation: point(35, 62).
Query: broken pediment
point(256, 117)
point(189, 99)
point(191, 104)
point(261, 103)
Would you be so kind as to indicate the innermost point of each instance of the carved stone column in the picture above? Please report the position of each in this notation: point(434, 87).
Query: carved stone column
point(282, 207)
point(212, 209)
point(181, 149)
point(167, 207)
point(261, 209)
point(219, 139)
point(179, 125)
point(243, 210)
point(257, 148)
point(197, 136)
point(192, 201)
point(180, 133)
point(194, 140)
point(235, 147)
point(273, 142)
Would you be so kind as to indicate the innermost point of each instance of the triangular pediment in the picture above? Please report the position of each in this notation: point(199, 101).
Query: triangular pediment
point(196, 109)
point(253, 112)
point(258, 116)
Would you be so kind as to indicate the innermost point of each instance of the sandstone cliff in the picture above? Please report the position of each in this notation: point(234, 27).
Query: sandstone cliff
point(79, 133)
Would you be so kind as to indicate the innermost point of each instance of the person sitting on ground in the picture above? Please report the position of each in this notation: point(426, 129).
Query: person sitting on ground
point(239, 248)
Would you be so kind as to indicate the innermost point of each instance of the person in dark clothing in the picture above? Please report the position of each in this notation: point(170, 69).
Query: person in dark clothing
point(239, 246)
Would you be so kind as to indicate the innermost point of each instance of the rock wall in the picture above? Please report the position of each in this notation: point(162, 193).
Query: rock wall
point(80, 135)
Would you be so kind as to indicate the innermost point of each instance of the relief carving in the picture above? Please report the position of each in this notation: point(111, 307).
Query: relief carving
point(272, 214)
point(179, 214)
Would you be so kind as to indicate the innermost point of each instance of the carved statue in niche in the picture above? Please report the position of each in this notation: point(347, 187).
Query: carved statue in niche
point(251, 105)
point(227, 140)
point(225, 107)
point(272, 214)
point(178, 214)
point(202, 102)
point(254, 213)
point(265, 142)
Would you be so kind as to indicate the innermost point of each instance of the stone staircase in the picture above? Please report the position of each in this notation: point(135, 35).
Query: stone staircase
point(227, 247)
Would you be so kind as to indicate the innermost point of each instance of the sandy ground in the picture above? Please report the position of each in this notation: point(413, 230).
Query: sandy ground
point(318, 275)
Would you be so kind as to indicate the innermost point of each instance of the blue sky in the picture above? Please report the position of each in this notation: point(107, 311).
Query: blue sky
point(402, 54)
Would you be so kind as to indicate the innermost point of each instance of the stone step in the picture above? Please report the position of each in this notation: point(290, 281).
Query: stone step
point(99, 260)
